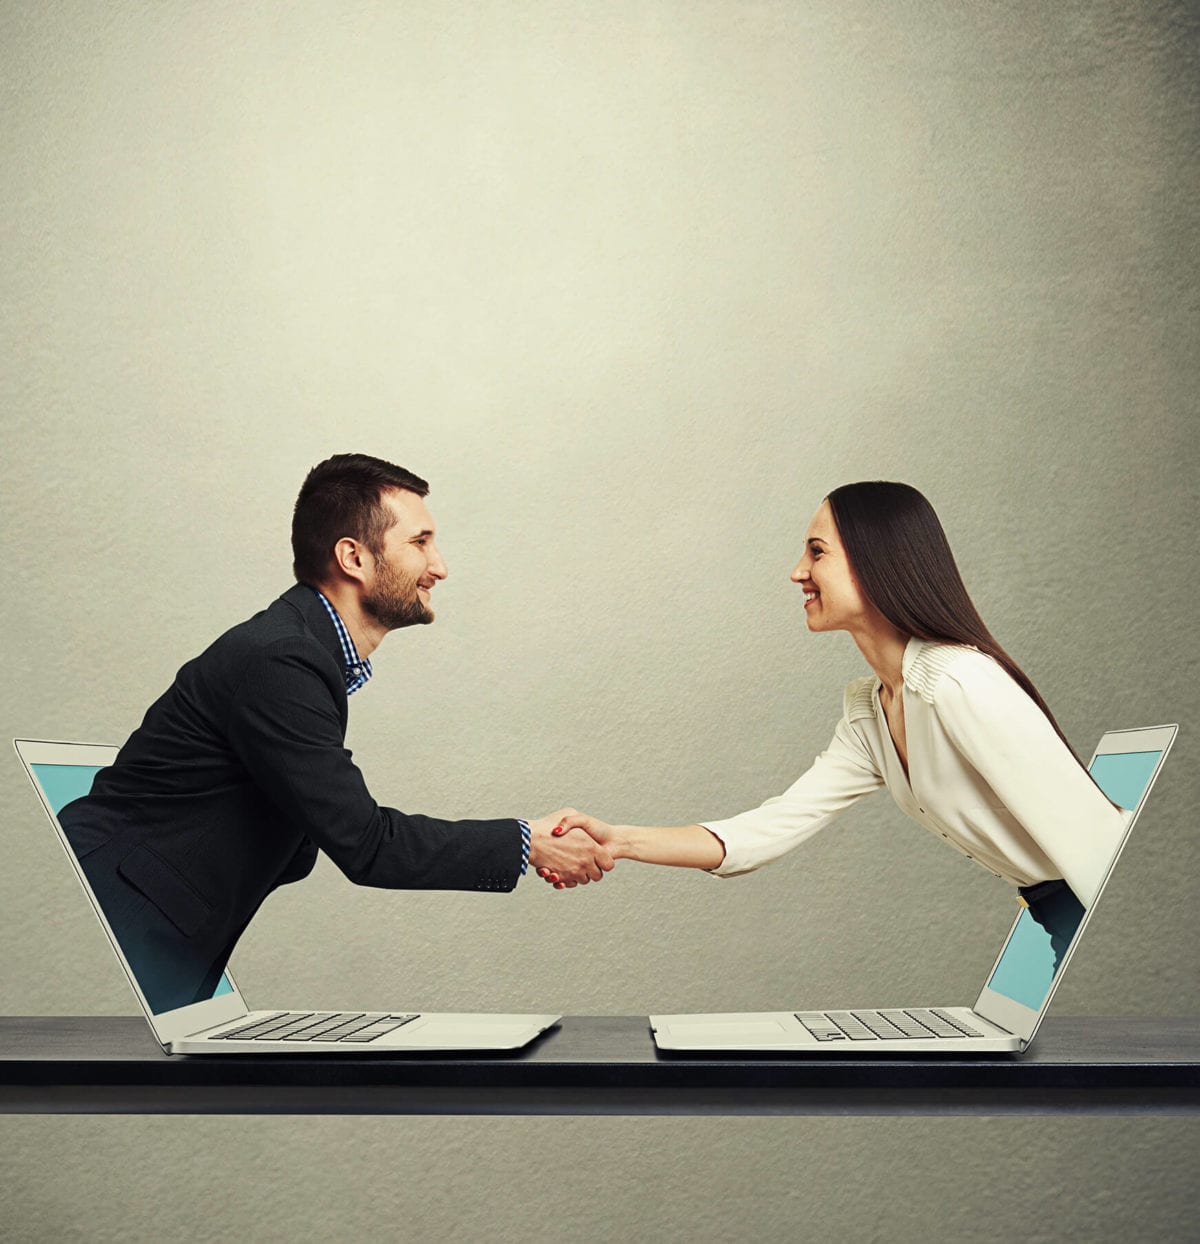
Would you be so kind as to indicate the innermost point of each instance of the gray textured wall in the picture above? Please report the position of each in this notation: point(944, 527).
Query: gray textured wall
point(633, 285)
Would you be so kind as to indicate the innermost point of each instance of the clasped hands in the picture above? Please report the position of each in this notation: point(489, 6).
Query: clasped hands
point(570, 848)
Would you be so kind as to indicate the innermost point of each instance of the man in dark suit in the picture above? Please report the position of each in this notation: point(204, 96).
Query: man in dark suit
point(238, 774)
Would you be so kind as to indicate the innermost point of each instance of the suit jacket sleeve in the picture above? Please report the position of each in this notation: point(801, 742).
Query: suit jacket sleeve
point(286, 726)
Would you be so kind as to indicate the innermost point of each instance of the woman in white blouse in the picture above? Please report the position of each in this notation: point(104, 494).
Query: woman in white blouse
point(948, 723)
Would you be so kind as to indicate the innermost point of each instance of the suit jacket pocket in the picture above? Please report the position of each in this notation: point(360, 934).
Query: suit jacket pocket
point(149, 873)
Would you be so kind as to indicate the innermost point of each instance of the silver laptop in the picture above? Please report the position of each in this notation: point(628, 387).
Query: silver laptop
point(224, 1024)
point(1014, 997)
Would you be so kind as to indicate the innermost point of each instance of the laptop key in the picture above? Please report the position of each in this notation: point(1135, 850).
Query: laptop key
point(820, 1027)
point(261, 1022)
point(379, 1030)
point(854, 1028)
point(937, 1026)
point(259, 1031)
point(910, 1027)
point(286, 1034)
point(344, 1030)
point(329, 1024)
point(884, 1029)
point(286, 1024)
point(964, 1028)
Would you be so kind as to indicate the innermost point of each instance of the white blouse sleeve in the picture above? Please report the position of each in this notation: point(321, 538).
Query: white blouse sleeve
point(841, 774)
point(1003, 734)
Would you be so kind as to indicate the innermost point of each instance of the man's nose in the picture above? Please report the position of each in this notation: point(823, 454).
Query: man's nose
point(437, 566)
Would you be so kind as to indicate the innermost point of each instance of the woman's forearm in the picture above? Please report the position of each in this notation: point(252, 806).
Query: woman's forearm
point(683, 846)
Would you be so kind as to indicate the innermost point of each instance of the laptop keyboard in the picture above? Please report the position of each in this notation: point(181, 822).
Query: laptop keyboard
point(929, 1025)
point(356, 1027)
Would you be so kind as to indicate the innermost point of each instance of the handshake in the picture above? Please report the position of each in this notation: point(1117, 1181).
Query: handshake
point(570, 848)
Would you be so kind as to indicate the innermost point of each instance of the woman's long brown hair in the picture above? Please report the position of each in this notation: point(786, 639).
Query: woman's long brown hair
point(904, 566)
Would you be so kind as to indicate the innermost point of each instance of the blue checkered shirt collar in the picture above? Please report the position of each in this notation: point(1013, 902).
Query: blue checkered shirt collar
point(357, 671)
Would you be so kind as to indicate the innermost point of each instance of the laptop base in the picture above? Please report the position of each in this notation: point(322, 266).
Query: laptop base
point(786, 1032)
point(428, 1031)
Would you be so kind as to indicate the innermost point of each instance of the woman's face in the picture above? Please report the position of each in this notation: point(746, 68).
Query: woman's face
point(833, 600)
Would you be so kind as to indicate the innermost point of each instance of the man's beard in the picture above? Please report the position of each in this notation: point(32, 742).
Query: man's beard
point(394, 601)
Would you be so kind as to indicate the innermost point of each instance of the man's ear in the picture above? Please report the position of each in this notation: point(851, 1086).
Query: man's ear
point(350, 557)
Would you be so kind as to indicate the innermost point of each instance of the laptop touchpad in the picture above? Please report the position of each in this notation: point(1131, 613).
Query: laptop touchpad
point(449, 1033)
point(742, 1031)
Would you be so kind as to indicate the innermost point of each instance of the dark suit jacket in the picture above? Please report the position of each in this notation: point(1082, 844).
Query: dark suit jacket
point(235, 778)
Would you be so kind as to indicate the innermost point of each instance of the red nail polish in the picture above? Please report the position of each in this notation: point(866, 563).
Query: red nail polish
point(554, 876)
point(543, 872)
point(558, 831)
point(560, 885)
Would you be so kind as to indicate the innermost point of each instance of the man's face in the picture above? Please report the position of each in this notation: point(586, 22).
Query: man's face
point(409, 564)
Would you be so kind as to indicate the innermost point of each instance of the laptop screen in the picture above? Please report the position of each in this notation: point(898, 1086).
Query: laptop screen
point(1027, 966)
point(61, 783)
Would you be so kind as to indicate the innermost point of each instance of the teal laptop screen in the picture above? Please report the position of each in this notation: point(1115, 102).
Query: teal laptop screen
point(63, 783)
point(1034, 949)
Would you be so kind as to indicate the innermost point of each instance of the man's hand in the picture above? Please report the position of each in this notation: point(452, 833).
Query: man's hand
point(566, 860)
point(601, 832)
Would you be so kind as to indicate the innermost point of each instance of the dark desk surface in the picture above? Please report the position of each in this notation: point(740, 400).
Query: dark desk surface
point(600, 1065)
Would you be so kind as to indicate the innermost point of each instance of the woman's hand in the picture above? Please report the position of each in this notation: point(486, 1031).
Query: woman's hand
point(684, 846)
point(603, 834)
point(565, 863)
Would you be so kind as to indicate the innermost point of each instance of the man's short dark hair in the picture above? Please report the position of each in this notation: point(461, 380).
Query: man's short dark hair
point(341, 497)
